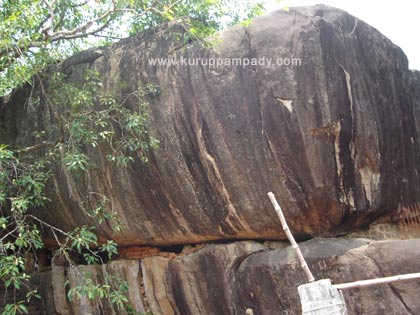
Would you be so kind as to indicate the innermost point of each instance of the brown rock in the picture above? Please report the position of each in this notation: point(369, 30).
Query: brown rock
point(198, 283)
point(137, 252)
point(239, 278)
point(119, 270)
point(59, 295)
point(335, 138)
point(248, 278)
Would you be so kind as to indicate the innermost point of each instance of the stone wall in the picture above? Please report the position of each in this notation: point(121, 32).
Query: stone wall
point(240, 277)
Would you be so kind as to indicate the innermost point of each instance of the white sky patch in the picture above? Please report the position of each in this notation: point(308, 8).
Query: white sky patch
point(397, 20)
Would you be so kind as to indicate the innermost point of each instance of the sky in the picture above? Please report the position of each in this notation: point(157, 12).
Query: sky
point(397, 20)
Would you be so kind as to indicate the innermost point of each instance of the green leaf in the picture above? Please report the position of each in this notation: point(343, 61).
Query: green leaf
point(23, 308)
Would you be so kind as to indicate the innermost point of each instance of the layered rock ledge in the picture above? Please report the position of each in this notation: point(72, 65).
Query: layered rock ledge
point(236, 277)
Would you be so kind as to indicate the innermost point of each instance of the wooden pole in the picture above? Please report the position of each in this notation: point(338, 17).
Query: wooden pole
point(289, 235)
point(365, 283)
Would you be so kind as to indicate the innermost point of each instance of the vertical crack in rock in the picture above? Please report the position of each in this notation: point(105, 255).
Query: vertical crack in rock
point(133, 276)
point(345, 156)
point(155, 285)
point(368, 178)
point(61, 306)
point(370, 182)
point(143, 295)
point(334, 130)
point(339, 166)
point(352, 147)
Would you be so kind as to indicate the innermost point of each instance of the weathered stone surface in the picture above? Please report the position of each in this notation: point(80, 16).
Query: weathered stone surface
point(241, 278)
point(209, 271)
point(249, 278)
point(51, 286)
point(335, 138)
point(59, 294)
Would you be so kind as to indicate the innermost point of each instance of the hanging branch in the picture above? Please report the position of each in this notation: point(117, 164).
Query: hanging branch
point(289, 235)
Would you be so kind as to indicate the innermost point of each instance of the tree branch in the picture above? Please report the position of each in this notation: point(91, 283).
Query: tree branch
point(38, 146)
point(79, 35)
point(49, 22)
point(83, 27)
point(42, 222)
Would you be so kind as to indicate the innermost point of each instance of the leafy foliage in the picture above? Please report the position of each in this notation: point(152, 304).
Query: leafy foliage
point(92, 116)
point(86, 117)
point(36, 33)
point(91, 289)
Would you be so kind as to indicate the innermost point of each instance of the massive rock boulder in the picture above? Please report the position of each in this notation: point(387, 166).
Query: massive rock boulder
point(335, 137)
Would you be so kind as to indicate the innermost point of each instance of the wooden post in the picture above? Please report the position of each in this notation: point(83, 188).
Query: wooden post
point(321, 297)
point(289, 235)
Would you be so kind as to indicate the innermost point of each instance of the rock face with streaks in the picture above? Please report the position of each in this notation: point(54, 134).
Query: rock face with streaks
point(326, 115)
point(249, 278)
point(229, 279)
point(335, 135)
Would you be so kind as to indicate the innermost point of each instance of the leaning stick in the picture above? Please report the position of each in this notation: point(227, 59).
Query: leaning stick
point(289, 235)
point(365, 283)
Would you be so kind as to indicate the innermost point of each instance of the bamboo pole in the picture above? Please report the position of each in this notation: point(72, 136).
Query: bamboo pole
point(289, 235)
point(365, 283)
